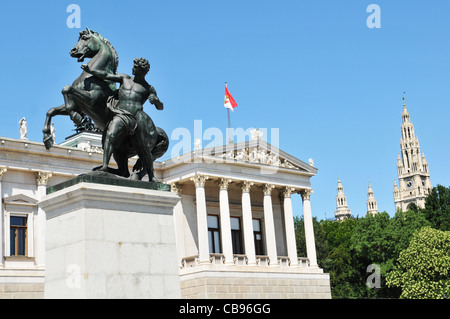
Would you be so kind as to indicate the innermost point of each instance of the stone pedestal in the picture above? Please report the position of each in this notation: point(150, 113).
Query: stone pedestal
point(109, 241)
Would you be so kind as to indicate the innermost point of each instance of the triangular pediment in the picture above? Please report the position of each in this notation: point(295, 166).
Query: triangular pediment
point(20, 199)
point(258, 152)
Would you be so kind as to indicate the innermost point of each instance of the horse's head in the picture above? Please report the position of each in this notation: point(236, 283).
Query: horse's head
point(87, 47)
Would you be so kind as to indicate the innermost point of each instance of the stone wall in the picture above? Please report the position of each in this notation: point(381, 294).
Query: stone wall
point(21, 291)
point(298, 286)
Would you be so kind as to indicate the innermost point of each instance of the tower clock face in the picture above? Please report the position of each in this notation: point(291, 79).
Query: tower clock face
point(409, 183)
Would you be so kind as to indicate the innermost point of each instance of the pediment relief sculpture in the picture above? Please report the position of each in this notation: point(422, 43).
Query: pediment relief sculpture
point(259, 156)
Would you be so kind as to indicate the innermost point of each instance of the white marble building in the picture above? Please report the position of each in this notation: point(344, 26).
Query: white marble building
point(234, 220)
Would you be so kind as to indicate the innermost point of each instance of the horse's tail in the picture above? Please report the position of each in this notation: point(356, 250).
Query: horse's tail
point(161, 147)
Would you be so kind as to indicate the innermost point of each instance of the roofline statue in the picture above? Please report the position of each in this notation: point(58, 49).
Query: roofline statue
point(23, 128)
point(118, 113)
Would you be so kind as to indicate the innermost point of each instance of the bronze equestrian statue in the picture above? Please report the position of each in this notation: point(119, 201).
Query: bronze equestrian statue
point(118, 113)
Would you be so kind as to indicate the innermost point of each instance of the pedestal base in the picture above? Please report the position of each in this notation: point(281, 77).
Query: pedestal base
point(106, 241)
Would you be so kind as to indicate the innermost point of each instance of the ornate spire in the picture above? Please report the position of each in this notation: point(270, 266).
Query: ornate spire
point(342, 212)
point(412, 168)
point(339, 187)
point(405, 114)
point(372, 207)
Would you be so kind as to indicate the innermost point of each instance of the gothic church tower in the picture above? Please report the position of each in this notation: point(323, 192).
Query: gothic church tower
point(413, 174)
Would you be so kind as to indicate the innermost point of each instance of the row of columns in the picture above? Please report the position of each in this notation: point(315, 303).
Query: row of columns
point(247, 222)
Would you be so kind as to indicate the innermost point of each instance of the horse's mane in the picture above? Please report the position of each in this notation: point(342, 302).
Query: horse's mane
point(108, 44)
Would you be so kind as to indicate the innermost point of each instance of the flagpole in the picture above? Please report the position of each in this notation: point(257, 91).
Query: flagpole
point(231, 138)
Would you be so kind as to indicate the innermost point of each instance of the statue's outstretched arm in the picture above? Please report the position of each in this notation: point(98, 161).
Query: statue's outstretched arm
point(103, 74)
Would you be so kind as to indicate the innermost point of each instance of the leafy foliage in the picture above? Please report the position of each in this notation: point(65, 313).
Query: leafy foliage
point(345, 249)
point(437, 207)
point(424, 266)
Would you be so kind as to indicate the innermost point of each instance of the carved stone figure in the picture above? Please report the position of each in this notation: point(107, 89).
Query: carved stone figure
point(256, 134)
point(197, 144)
point(52, 132)
point(23, 128)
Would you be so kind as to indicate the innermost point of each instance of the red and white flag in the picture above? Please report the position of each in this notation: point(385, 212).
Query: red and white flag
point(229, 103)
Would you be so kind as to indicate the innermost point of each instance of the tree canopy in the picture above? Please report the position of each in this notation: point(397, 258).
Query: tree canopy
point(424, 266)
point(345, 250)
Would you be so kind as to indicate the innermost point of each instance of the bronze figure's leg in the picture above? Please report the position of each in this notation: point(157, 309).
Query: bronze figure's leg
point(114, 136)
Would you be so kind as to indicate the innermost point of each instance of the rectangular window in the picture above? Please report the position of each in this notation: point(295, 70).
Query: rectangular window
point(18, 236)
point(258, 237)
point(236, 238)
point(214, 234)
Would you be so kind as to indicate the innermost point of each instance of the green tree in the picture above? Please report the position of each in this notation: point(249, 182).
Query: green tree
point(369, 244)
point(339, 262)
point(379, 240)
point(437, 207)
point(346, 248)
point(424, 266)
point(399, 233)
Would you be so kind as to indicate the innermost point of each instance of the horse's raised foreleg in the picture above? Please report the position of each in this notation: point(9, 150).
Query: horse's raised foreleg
point(70, 105)
point(60, 110)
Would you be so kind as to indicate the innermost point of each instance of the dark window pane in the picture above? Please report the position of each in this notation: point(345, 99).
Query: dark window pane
point(22, 238)
point(237, 243)
point(18, 221)
point(18, 235)
point(12, 241)
point(211, 244)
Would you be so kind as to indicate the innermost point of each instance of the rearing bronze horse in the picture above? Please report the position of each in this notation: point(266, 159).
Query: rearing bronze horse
point(89, 95)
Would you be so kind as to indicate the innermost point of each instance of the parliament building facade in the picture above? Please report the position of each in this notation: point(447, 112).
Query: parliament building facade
point(234, 225)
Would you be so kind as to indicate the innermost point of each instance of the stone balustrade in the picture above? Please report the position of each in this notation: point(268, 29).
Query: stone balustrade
point(242, 260)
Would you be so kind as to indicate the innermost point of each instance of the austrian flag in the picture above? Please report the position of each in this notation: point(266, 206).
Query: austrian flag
point(230, 103)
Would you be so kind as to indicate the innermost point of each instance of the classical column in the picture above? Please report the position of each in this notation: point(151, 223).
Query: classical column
point(289, 226)
point(225, 224)
point(41, 182)
point(202, 218)
point(309, 229)
point(3, 170)
point(271, 243)
point(249, 241)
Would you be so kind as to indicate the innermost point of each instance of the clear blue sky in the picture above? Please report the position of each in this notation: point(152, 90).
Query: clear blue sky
point(313, 69)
